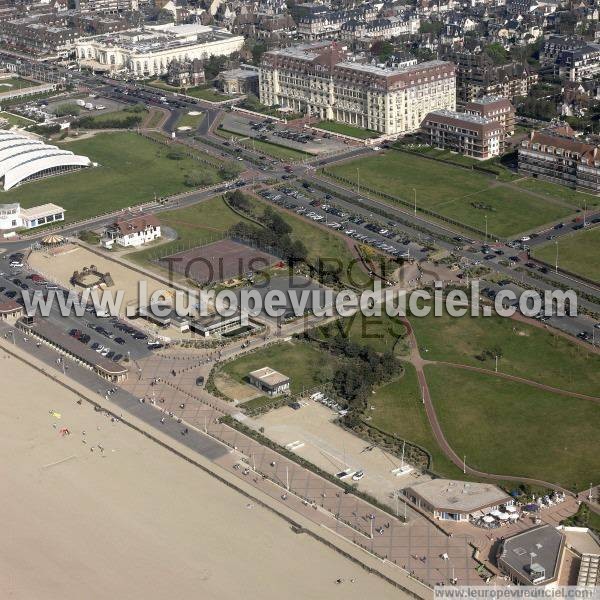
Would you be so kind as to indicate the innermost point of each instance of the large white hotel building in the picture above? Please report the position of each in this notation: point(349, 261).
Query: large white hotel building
point(148, 51)
point(322, 79)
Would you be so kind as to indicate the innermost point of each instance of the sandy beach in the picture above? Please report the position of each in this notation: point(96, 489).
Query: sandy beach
point(110, 514)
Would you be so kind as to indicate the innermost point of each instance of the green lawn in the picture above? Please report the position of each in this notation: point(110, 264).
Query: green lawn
point(269, 148)
point(195, 225)
point(109, 118)
point(382, 334)
point(578, 252)
point(209, 94)
point(559, 192)
point(188, 120)
point(15, 83)
point(305, 365)
point(131, 170)
point(398, 410)
point(513, 429)
point(465, 196)
point(16, 119)
point(342, 128)
point(154, 119)
point(526, 351)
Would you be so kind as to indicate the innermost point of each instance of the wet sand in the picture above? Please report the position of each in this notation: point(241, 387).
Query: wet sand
point(135, 521)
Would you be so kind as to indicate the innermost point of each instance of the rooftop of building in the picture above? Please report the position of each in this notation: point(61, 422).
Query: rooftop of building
point(533, 552)
point(463, 117)
point(269, 376)
point(135, 224)
point(44, 210)
point(459, 496)
point(147, 40)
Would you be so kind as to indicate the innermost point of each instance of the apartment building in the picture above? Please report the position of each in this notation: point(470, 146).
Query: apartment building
point(52, 34)
point(317, 20)
point(381, 29)
point(477, 75)
point(571, 58)
point(494, 108)
point(557, 155)
point(468, 134)
point(322, 79)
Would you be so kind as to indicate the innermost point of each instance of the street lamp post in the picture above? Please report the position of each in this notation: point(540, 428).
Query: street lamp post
point(556, 261)
point(358, 181)
point(415, 191)
point(486, 227)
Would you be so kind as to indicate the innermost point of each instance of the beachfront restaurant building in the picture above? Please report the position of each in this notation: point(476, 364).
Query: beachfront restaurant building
point(451, 500)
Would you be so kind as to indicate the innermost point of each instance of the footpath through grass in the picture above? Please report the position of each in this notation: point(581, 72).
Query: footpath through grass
point(527, 351)
point(132, 170)
point(578, 252)
point(510, 428)
point(398, 410)
point(463, 195)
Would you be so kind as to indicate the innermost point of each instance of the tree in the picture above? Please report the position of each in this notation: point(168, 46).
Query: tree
point(497, 53)
point(229, 170)
point(382, 49)
point(275, 222)
point(238, 200)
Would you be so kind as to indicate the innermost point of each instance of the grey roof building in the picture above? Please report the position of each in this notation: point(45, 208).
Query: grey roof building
point(533, 557)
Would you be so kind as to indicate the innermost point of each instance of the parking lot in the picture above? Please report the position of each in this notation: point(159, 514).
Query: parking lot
point(113, 338)
point(279, 133)
point(330, 212)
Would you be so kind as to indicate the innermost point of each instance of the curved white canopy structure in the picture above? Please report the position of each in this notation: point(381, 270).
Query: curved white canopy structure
point(22, 158)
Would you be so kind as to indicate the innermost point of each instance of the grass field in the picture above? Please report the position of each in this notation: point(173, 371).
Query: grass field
point(577, 252)
point(513, 429)
point(119, 116)
point(465, 196)
point(526, 351)
point(269, 148)
point(382, 334)
point(398, 410)
point(16, 119)
point(132, 170)
point(15, 83)
point(155, 119)
point(357, 132)
point(188, 120)
point(208, 94)
point(559, 192)
point(305, 365)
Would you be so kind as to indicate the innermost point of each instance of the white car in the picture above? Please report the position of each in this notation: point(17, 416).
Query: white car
point(525, 238)
point(358, 476)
